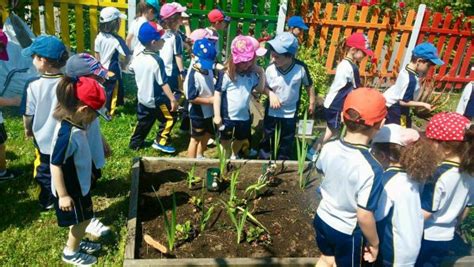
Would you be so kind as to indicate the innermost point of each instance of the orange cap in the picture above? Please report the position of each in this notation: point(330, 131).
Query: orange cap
point(368, 102)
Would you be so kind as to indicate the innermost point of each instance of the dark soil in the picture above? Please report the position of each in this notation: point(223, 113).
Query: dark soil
point(284, 209)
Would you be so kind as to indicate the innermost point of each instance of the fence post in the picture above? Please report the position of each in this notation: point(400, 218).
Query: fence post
point(282, 16)
point(414, 35)
point(131, 12)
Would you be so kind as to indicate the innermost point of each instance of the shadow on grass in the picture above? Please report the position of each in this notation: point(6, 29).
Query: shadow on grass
point(112, 188)
point(19, 214)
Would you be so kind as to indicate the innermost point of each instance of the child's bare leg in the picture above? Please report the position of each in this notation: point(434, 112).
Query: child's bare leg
point(326, 261)
point(202, 145)
point(193, 147)
point(76, 233)
point(236, 146)
point(3, 160)
point(225, 144)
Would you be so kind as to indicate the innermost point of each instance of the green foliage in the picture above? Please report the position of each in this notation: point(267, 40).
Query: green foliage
point(256, 187)
point(317, 69)
point(253, 234)
point(191, 177)
point(221, 153)
point(184, 231)
point(301, 148)
point(196, 201)
point(234, 180)
point(205, 216)
point(276, 141)
point(170, 224)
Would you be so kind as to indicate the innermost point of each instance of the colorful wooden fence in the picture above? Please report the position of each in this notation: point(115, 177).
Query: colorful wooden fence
point(389, 34)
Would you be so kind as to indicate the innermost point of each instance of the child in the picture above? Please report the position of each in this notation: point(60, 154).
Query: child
point(146, 11)
point(84, 65)
point(5, 175)
point(199, 91)
point(49, 56)
point(219, 22)
point(347, 78)
point(466, 102)
point(78, 101)
point(448, 193)
point(398, 215)
point(401, 96)
point(296, 26)
point(232, 94)
point(155, 99)
point(351, 185)
point(108, 47)
point(285, 78)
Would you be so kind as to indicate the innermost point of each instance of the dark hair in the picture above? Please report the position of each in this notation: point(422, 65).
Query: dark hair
point(110, 27)
point(168, 22)
point(357, 127)
point(67, 100)
point(143, 8)
point(286, 54)
point(230, 68)
point(465, 150)
point(57, 63)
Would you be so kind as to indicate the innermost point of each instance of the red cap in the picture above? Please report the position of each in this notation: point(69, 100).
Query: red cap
point(217, 15)
point(368, 102)
point(447, 126)
point(90, 93)
point(4, 42)
point(360, 41)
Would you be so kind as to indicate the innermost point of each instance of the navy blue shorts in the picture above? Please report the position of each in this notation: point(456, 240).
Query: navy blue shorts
point(81, 212)
point(236, 129)
point(347, 249)
point(333, 118)
point(398, 115)
point(199, 127)
point(3, 134)
point(433, 252)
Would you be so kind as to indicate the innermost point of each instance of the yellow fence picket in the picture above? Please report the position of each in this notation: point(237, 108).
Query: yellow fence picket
point(35, 17)
point(49, 16)
point(64, 23)
point(335, 37)
point(79, 27)
point(94, 24)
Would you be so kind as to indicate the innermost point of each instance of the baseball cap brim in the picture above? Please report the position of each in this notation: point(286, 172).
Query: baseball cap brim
point(206, 64)
point(261, 52)
point(368, 52)
point(28, 52)
point(277, 47)
point(122, 16)
point(103, 113)
point(437, 61)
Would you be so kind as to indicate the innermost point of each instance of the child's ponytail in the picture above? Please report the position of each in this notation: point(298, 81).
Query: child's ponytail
point(420, 159)
point(467, 157)
point(67, 100)
point(341, 49)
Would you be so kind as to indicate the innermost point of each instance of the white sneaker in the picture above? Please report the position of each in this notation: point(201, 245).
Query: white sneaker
point(210, 141)
point(233, 157)
point(97, 229)
point(79, 259)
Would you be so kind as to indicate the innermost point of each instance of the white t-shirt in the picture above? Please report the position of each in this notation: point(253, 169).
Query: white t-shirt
point(466, 103)
point(235, 95)
point(107, 45)
point(173, 46)
point(287, 86)
point(40, 103)
point(399, 218)
point(446, 195)
point(70, 150)
point(352, 179)
point(96, 145)
point(346, 79)
point(406, 88)
point(150, 76)
point(135, 45)
point(199, 84)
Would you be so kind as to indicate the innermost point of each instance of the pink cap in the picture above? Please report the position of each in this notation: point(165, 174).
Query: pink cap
point(199, 34)
point(168, 10)
point(360, 41)
point(243, 49)
point(260, 51)
point(4, 42)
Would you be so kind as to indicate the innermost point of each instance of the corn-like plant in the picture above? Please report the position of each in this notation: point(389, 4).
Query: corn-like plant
point(239, 223)
point(234, 180)
point(221, 153)
point(256, 187)
point(170, 224)
point(301, 147)
point(276, 141)
point(191, 177)
point(205, 216)
point(252, 218)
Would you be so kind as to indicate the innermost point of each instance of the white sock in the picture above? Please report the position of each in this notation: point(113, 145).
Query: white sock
point(69, 252)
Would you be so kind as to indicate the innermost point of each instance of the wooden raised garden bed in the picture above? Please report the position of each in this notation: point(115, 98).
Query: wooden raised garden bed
point(283, 234)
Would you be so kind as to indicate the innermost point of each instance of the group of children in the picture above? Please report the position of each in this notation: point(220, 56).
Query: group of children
point(396, 203)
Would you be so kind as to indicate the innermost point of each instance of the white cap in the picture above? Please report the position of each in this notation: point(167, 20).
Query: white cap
point(396, 134)
point(109, 14)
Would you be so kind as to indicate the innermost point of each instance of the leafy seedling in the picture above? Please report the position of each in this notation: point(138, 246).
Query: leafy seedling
point(191, 177)
point(170, 224)
point(301, 148)
point(185, 231)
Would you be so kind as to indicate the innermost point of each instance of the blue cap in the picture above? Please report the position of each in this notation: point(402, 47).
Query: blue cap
point(284, 43)
point(47, 46)
point(155, 4)
point(427, 51)
point(297, 22)
point(149, 32)
point(205, 51)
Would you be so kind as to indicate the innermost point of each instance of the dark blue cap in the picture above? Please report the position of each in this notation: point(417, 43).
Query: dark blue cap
point(297, 22)
point(427, 51)
point(47, 46)
point(148, 32)
point(205, 51)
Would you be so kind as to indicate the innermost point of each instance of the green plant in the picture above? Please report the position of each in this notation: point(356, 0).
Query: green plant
point(170, 224)
point(221, 153)
point(184, 231)
point(276, 141)
point(196, 202)
point(239, 222)
point(253, 234)
point(205, 216)
point(191, 176)
point(234, 180)
point(256, 187)
point(301, 148)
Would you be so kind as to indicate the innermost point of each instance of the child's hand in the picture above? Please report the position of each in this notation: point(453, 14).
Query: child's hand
point(370, 253)
point(427, 106)
point(174, 105)
point(217, 121)
point(274, 100)
point(66, 203)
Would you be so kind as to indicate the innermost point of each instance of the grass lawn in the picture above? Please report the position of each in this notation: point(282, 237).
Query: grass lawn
point(30, 237)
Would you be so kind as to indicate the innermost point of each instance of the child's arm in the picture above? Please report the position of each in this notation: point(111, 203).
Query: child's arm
point(312, 99)
point(169, 94)
point(203, 100)
point(179, 63)
point(8, 102)
point(261, 82)
point(366, 221)
point(65, 201)
point(415, 104)
point(274, 100)
point(217, 108)
point(28, 125)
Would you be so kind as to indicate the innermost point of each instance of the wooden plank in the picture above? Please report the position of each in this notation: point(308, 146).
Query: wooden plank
point(79, 28)
point(248, 10)
point(403, 41)
point(258, 24)
point(335, 38)
point(424, 26)
point(380, 41)
point(49, 16)
point(196, 5)
point(132, 210)
point(94, 24)
point(4, 10)
point(313, 24)
point(273, 11)
point(464, 71)
point(64, 11)
point(370, 35)
point(35, 16)
point(363, 21)
point(324, 32)
point(459, 55)
point(123, 27)
point(119, 4)
point(441, 42)
point(350, 18)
